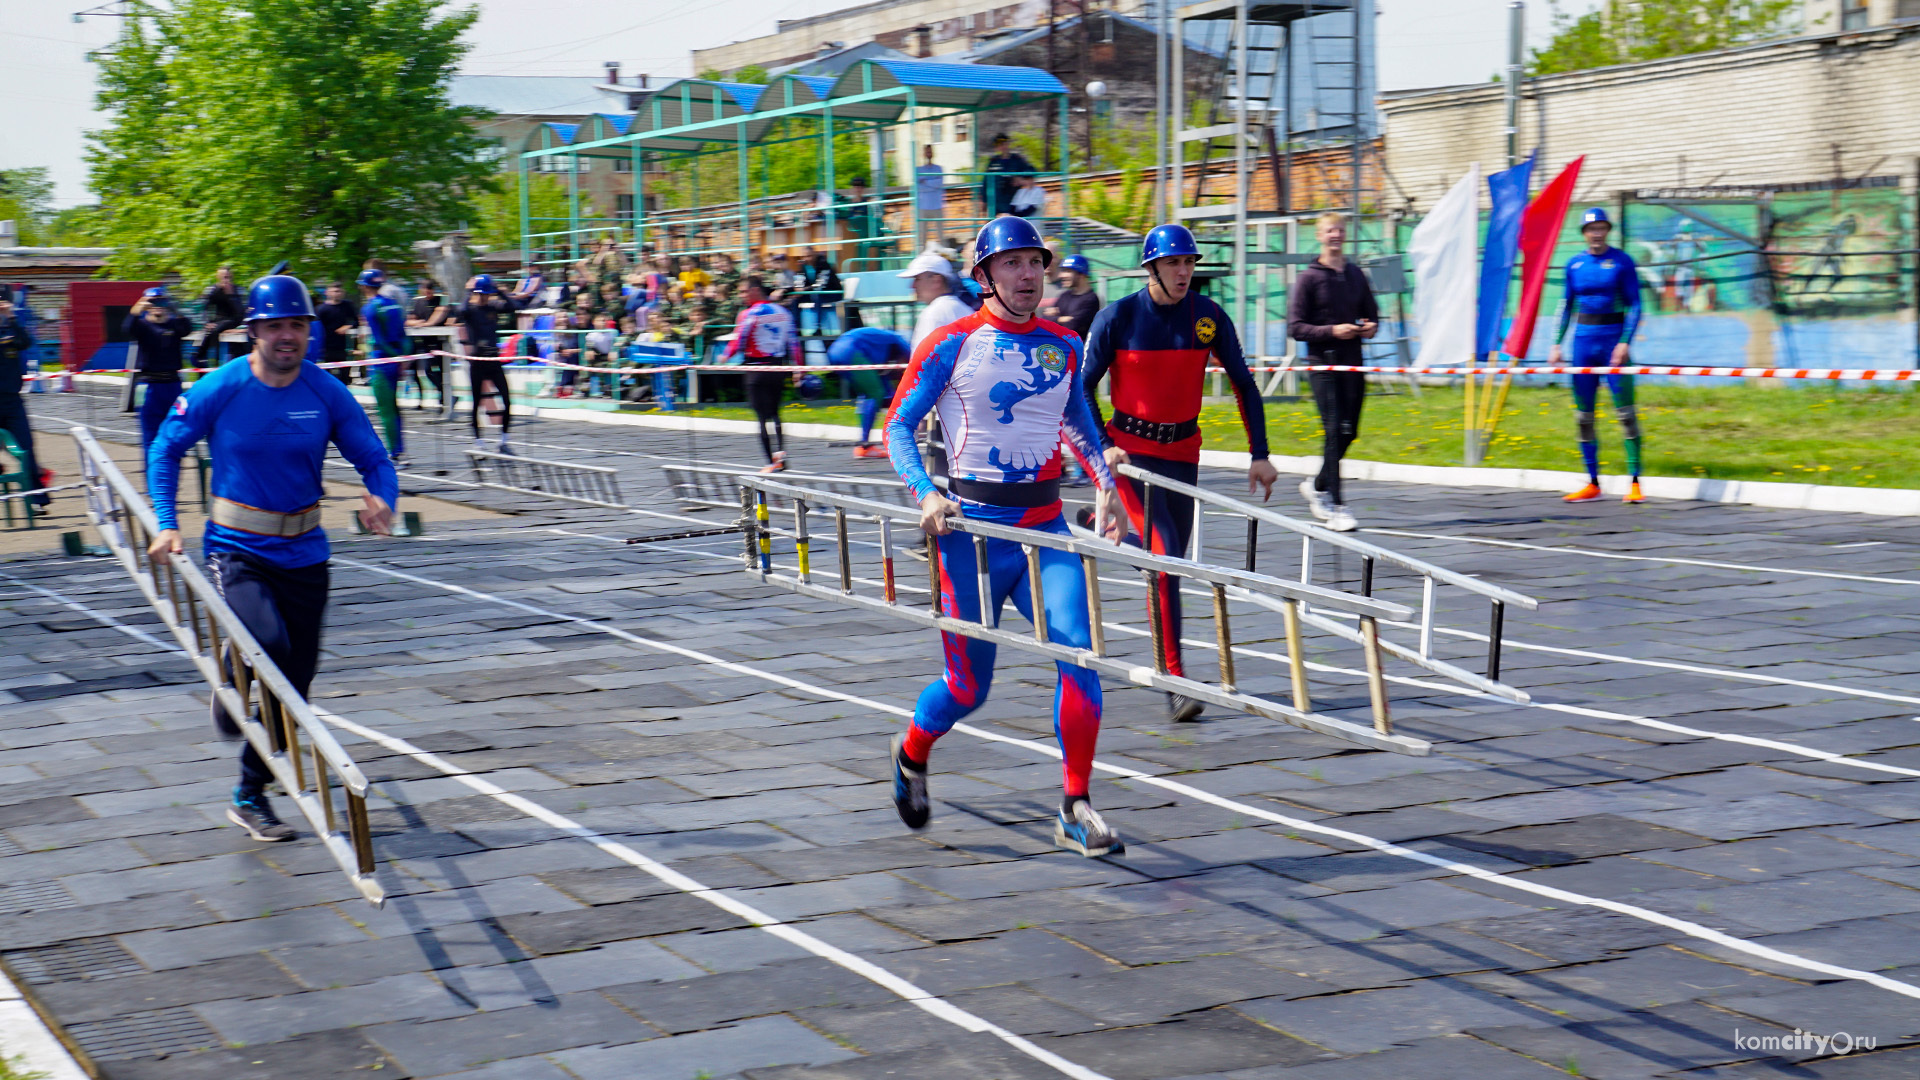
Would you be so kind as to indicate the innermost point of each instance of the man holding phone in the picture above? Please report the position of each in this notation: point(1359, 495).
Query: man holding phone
point(1331, 308)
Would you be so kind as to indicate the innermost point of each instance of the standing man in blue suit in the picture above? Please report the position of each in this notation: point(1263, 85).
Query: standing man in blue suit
point(1603, 300)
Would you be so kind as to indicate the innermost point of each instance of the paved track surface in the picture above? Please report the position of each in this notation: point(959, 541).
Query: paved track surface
point(166, 944)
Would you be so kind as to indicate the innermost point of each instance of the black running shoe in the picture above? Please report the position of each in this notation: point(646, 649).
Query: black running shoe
point(1182, 709)
point(257, 817)
point(909, 788)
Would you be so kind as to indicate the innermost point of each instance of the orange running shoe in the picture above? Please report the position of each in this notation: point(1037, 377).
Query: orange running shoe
point(1633, 494)
point(1585, 494)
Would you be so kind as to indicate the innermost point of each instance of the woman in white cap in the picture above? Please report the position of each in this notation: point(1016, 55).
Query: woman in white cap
point(947, 301)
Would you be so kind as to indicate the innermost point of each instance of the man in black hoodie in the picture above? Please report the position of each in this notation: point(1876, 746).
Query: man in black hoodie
point(157, 331)
point(1331, 308)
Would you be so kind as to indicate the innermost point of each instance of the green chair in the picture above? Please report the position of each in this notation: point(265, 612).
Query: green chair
point(18, 478)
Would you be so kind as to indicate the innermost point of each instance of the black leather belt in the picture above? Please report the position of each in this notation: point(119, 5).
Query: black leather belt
point(1025, 496)
point(1153, 430)
point(1601, 318)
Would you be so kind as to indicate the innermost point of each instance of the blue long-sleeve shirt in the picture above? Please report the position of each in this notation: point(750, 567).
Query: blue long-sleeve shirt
point(386, 326)
point(1604, 284)
point(268, 445)
point(1006, 394)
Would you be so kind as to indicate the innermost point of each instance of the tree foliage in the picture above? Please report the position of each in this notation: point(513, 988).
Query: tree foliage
point(248, 131)
point(26, 198)
point(1632, 31)
point(496, 221)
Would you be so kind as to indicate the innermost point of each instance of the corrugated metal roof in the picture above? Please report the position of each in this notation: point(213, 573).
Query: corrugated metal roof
point(705, 105)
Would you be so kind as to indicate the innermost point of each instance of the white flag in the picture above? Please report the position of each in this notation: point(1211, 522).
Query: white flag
point(1445, 252)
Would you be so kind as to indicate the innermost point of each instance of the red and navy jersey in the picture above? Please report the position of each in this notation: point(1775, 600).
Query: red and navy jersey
point(1158, 358)
point(1006, 393)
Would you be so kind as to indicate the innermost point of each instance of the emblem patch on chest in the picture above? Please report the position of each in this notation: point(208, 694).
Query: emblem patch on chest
point(1051, 357)
point(1203, 329)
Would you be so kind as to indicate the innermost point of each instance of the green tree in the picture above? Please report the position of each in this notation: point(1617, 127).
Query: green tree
point(1632, 31)
point(247, 131)
point(496, 221)
point(26, 198)
point(78, 226)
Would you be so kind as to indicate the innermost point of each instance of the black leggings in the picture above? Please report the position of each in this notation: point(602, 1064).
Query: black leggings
point(495, 373)
point(1172, 530)
point(1338, 395)
point(765, 391)
point(282, 608)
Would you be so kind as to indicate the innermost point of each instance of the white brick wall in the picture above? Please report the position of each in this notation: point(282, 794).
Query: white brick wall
point(1785, 112)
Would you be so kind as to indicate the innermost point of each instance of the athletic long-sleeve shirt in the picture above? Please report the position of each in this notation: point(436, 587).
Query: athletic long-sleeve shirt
point(267, 445)
point(1006, 394)
point(386, 326)
point(764, 334)
point(1604, 284)
point(1158, 358)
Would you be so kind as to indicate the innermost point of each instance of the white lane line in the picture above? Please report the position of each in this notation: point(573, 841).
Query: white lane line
point(1647, 558)
point(1690, 929)
point(874, 973)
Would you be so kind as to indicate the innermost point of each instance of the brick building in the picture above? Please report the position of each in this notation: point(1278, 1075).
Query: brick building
point(1825, 106)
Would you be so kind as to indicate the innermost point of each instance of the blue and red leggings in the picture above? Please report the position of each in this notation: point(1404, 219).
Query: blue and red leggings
point(969, 661)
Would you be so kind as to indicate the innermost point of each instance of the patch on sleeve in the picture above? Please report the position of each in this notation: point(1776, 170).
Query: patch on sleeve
point(180, 405)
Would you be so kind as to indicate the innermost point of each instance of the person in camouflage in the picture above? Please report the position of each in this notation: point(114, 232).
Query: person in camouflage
point(727, 277)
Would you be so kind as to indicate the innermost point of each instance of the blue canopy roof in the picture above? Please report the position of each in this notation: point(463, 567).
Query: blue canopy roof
point(692, 114)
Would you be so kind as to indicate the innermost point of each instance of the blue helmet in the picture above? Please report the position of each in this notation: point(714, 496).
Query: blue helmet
point(1594, 215)
point(1076, 263)
point(1165, 240)
point(158, 292)
point(1008, 234)
point(372, 278)
point(279, 296)
point(484, 283)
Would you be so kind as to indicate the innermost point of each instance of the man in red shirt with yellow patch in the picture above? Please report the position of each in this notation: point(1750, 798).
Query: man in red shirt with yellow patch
point(1156, 343)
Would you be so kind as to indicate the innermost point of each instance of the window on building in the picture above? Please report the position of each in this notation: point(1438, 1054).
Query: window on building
point(1906, 9)
point(961, 131)
point(557, 164)
point(887, 141)
point(623, 206)
point(1853, 14)
point(623, 165)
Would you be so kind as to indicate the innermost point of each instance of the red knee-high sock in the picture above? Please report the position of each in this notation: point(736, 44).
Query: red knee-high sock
point(919, 743)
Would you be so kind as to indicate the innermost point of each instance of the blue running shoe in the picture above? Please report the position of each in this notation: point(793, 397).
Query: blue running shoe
point(1085, 832)
point(909, 788)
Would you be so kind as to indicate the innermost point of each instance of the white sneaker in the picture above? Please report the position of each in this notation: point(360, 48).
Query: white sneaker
point(480, 444)
point(504, 448)
point(1316, 501)
point(1341, 520)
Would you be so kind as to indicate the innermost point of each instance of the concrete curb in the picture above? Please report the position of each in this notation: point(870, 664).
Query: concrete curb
point(1883, 502)
point(24, 1036)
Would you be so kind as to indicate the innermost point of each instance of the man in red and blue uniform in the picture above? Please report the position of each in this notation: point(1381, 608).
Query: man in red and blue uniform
point(267, 421)
point(1156, 343)
point(1603, 300)
point(763, 336)
point(1007, 389)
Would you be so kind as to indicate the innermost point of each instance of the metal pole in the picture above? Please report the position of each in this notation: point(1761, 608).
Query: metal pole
point(1091, 569)
point(1243, 30)
point(1495, 626)
point(985, 578)
point(1296, 655)
point(1037, 595)
point(1376, 674)
point(1516, 42)
point(1223, 637)
point(1161, 92)
point(1175, 118)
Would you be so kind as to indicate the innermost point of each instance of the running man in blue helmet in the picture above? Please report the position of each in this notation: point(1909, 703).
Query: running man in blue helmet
point(1603, 303)
point(386, 323)
point(267, 423)
point(862, 347)
point(1006, 385)
point(1157, 343)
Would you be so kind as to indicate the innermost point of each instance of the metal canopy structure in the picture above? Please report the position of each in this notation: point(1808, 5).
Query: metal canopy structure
point(698, 117)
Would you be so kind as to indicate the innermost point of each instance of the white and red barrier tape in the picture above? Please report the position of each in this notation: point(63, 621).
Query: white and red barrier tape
point(1861, 374)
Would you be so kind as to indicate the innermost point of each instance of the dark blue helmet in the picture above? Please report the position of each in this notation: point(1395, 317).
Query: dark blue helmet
point(1165, 240)
point(279, 296)
point(484, 283)
point(158, 292)
point(1077, 263)
point(1008, 234)
point(1594, 215)
point(372, 278)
